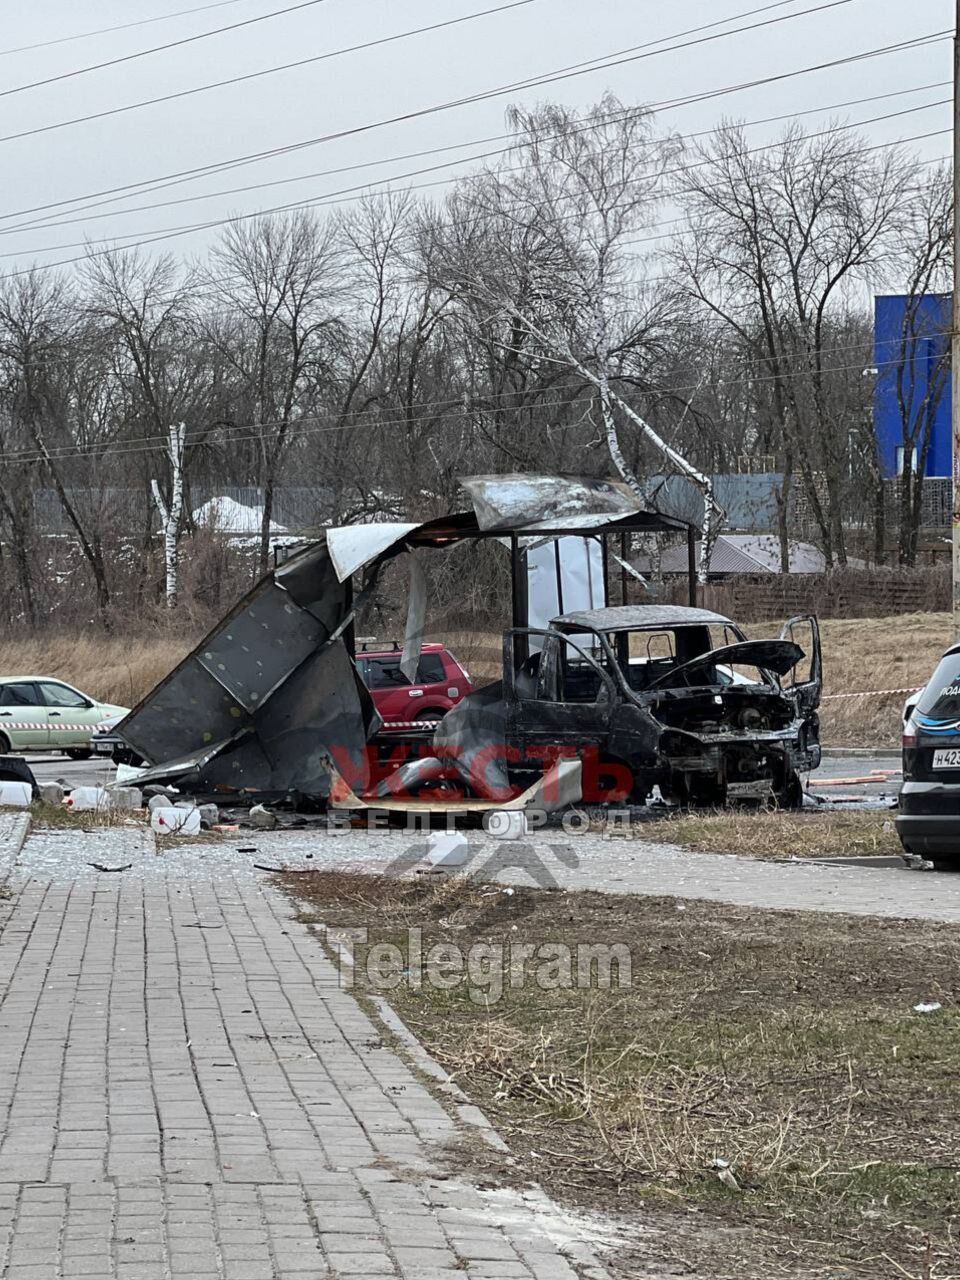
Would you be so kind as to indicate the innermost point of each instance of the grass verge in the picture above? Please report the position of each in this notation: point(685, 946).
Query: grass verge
point(779, 833)
point(756, 1083)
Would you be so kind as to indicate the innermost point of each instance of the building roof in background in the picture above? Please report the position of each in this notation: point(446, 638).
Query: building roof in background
point(750, 501)
point(746, 553)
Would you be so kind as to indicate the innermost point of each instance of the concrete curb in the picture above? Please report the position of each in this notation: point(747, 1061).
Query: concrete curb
point(12, 847)
point(466, 1110)
point(864, 753)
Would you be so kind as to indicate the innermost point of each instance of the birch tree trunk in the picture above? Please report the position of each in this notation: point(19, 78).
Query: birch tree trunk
point(172, 513)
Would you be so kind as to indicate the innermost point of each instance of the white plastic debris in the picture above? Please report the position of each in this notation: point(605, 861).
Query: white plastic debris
point(16, 794)
point(171, 821)
point(262, 817)
point(932, 1007)
point(505, 824)
point(128, 773)
point(126, 798)
point(447, 849)
point(83, 798)
point(727, 1178)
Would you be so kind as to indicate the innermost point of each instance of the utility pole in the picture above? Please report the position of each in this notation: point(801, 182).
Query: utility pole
point(955, 330)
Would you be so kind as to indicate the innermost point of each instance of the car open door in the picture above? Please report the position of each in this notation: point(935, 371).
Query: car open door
point(805, 680)
point(558, 693)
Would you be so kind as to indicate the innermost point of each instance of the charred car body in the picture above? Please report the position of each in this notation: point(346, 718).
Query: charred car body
point(598, 704)
point(662, 703)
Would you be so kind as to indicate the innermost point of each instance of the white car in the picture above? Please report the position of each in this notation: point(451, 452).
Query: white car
point(41, 713)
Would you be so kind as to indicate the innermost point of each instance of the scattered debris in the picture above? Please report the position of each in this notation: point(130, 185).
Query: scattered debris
point(98, 866)
point(447, 849)
point(932, 1007)
point(262, 817)
point(52, 793)
point(16, 795)
point(84, 798)
point(209, 817)
point(126, 798)
point(171, 821)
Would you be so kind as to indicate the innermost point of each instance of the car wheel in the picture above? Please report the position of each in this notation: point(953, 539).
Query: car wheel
point(430, 713)
point(5, 748)
point(78, 753)
point(125, 755)
point(790, 796)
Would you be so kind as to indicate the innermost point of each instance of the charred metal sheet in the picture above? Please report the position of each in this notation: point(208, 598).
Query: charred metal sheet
point(416, 619)
point(637, 617)
point(352, 546)
point(559, 786)
point(780, 656)
point(186, 713)
point(472, 737)
point(511, 501)
point(263, 644)
point(172, 770)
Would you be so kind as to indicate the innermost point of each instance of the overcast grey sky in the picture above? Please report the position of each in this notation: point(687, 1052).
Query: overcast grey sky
point(370, 85)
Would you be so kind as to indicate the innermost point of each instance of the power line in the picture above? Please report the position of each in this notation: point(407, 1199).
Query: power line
point(564, 73)
point(121, 26)
point(344, 196)
point(43, 225)
point(150, 443)
point(334, 198)
point(189, 175)
point(287, 66)
point(159, 48)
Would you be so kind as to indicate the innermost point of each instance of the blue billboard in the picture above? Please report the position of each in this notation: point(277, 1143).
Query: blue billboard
point(912, 394)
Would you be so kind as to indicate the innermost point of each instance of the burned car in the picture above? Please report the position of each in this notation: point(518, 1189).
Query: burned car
point(672, 697)
point(640, 697)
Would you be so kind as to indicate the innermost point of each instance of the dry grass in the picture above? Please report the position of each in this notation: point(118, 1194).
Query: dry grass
point(779, 833)
point(782, 1047)
point(51, 817)
point(116, 669)
point(876, 653)
point(858, 654)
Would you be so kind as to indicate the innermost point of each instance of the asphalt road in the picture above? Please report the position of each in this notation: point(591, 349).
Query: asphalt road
point(74, 773)
point(53, 767)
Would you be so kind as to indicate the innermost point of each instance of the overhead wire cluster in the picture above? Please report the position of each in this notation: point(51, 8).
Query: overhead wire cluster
point(40, 217)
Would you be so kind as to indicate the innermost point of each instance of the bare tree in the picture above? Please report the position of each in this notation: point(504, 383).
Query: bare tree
point(36, 328)
point(778, 241)
point(279, 281)
point(546, 243)
point(171, 513)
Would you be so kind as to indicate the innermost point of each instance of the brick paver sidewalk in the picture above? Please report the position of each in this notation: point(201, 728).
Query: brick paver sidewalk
point(186, 1092)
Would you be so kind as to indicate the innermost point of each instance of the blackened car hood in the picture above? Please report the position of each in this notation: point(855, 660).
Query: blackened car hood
point(779, 656)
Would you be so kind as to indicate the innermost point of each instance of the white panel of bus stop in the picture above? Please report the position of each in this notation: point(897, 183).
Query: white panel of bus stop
point(563, 576)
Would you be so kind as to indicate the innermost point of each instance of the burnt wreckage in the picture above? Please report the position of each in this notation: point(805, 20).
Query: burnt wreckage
point(597, 704)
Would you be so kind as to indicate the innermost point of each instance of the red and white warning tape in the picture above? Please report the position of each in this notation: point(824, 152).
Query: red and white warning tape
point(53, 724)
point(872, 693)
point(411, 724)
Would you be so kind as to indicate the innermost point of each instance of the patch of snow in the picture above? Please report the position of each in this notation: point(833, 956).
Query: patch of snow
point(225, 515)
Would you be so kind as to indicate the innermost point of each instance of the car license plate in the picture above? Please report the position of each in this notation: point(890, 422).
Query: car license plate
point(749, 790)
point(947, 759)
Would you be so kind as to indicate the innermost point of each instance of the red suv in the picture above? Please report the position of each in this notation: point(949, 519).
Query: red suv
point(440, 684)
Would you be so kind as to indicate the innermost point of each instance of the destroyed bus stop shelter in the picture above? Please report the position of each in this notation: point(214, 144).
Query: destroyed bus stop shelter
point(348, 542)
point(270, 699)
